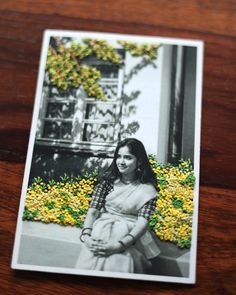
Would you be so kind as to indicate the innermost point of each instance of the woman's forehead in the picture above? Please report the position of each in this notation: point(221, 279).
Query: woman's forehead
point(124, 150)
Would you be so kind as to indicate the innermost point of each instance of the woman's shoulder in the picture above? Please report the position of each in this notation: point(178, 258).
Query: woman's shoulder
point(104, 184)
point(148, 187)
point(147, 191)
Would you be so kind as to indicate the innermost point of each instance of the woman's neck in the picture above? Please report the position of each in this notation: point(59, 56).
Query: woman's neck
point(128, 178)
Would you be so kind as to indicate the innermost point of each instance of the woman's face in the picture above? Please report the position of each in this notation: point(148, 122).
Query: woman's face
point(126, 162)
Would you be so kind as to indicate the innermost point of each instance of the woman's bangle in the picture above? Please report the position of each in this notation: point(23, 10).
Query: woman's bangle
point(122, 244)
point(134, 240)
point(83, 234)
point(86, 228)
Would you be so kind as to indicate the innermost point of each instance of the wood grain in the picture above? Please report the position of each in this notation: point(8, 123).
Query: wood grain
point(22, 23)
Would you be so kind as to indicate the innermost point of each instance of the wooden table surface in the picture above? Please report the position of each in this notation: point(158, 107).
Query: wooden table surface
point(21, 26)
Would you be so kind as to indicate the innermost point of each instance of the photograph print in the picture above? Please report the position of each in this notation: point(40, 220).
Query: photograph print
point(112, 172)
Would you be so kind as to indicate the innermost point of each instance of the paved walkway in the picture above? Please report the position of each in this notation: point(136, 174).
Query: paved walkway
point(56, 245)
point(49, 244)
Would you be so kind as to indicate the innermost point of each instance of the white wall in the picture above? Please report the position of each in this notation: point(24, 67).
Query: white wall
point(164, 109)
point(147, 81)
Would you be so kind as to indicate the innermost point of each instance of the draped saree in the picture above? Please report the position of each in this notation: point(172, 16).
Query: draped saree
point(118, 219)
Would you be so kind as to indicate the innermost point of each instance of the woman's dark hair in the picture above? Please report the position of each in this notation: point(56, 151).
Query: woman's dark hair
point(144, 172)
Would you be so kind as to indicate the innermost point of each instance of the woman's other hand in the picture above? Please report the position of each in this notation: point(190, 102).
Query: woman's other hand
point(89, 242)
point(92, 244)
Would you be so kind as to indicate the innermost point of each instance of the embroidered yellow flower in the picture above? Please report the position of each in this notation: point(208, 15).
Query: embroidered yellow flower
point(172, 220)
point(67, 202)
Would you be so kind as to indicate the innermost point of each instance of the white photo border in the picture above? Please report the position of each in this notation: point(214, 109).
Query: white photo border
point(199, 45)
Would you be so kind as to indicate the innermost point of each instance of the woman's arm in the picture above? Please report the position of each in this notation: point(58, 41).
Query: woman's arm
point(98, 200)
point(138, 230)
point(142, 222)
point(91, 216)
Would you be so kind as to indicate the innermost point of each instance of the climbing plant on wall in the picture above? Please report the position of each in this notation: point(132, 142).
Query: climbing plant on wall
point(147, 51)
point(65, 70)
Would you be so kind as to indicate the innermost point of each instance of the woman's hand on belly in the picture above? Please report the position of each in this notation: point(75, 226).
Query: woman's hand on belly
point(102, 249)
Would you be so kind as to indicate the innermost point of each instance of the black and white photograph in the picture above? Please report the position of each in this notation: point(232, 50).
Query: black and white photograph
point(111, 179)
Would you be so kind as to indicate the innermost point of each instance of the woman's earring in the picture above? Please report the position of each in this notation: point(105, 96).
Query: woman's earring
point(138, 169)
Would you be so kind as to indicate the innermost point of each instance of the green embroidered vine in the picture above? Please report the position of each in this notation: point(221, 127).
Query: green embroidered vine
point(65, 70)
point(100, 48)
point(147, 51)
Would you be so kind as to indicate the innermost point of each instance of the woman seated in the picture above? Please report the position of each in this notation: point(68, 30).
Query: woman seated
point(116, 236)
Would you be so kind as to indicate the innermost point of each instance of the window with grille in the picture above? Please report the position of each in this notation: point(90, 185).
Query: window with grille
point(58, 120)
point(76, 120)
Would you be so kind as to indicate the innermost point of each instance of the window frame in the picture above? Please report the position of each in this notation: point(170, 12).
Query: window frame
point(81, 101)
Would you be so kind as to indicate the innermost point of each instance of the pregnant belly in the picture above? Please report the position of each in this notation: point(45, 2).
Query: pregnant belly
point(110, 226)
